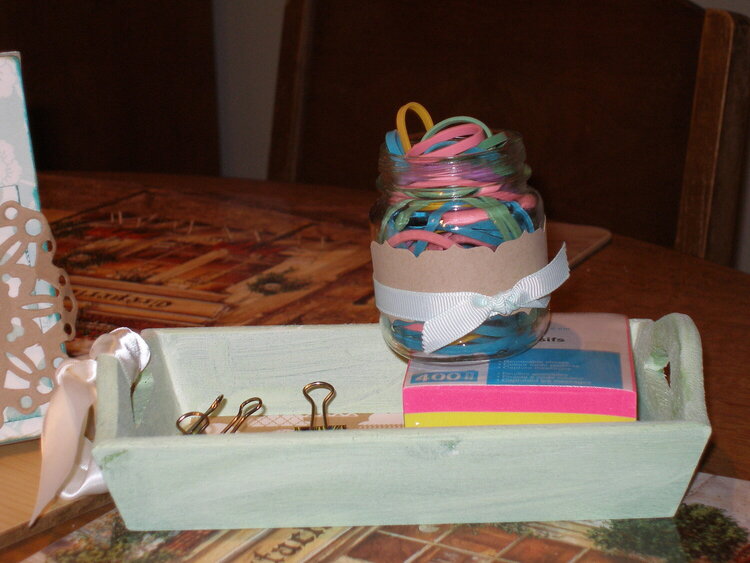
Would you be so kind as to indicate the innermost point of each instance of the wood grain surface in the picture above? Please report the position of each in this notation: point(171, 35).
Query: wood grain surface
point(315, 239)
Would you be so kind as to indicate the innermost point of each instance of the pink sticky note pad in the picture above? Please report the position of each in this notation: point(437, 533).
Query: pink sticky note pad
point(581, 371)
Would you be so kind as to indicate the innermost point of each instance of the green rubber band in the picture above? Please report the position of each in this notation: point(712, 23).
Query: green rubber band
point(384, 222)
point(448, 192)
point(455, 121)
point(406, 209)
point(501, 217)
point(500, 222)
point(390, 212)
point(493, 141)
point(503, 169)
point(411, 208)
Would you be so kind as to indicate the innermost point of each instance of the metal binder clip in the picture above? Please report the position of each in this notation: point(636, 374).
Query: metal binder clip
point(202, 423)
point(241, 417)
point(328, 398)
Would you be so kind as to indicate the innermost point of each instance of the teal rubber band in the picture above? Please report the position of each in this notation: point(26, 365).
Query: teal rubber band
point(456, 120)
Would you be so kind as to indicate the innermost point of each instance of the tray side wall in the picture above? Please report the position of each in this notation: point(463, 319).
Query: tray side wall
point(399, 477)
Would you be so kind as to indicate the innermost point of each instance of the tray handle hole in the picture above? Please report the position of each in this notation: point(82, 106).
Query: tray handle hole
point(659, 362)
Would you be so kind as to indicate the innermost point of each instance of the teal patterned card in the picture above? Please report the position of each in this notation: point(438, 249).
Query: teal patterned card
point(16, 157)
point(18, 183)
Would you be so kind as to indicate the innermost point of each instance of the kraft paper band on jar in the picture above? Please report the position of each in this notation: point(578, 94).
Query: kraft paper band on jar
point(479, 270)
point(455, 294)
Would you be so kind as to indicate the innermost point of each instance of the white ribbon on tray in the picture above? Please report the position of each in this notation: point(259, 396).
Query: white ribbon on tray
point(451, 315)
point(68, 467)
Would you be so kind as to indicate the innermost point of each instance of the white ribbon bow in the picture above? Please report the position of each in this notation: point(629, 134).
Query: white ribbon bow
point(451, 315)
point(68, 468)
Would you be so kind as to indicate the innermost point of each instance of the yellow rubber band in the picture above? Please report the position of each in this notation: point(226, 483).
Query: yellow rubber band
point(423, 114)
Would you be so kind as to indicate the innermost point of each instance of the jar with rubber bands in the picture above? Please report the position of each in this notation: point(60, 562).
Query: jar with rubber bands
point(459, 249)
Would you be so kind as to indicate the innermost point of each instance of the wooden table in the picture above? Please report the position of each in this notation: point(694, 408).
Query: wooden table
point(151, 250)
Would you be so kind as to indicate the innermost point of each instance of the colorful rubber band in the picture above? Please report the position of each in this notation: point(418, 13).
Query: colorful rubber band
point(454, 121)
point(466, 136)
point(423, 114)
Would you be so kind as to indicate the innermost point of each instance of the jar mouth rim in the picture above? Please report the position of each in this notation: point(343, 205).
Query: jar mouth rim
point(514, 139)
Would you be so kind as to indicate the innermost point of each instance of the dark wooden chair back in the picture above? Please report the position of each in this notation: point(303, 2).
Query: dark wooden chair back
point(117, 85)
point(634, 112)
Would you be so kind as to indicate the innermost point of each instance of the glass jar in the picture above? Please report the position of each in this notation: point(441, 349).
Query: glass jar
point(428, 204)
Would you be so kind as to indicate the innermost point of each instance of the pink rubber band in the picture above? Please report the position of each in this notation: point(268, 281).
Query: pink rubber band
point(465, 217)
point(460, 146)
point(474, 131)
point(432, 238)
point(445, 182)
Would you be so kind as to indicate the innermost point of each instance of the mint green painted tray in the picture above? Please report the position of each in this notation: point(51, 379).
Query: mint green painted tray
point(162, 480)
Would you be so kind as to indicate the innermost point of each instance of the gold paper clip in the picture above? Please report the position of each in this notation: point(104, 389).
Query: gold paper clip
point(241, 417)
point(326, 401)
point(202, 423)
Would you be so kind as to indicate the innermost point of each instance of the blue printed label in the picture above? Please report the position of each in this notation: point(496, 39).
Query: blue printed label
point(464, 376)
point(577, 368)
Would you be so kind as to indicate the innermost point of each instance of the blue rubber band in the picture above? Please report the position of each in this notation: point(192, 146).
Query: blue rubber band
point(393, 143)
point(432, 223)
point(497, 335)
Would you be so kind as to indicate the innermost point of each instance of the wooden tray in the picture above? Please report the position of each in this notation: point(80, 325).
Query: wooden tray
point(162, 480)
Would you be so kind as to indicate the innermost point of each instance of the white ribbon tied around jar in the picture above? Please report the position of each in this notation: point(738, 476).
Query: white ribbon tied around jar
point(450, 315)
point(68, 467)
